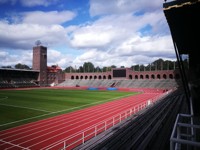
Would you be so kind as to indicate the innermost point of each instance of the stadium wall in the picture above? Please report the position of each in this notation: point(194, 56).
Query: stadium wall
point(130, 74)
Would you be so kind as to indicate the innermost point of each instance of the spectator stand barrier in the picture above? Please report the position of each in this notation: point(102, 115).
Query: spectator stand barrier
point(92, 131)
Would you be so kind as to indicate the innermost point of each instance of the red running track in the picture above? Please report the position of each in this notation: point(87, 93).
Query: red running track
point(43, 134)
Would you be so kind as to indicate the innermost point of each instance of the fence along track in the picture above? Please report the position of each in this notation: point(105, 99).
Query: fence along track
point(139, 132)
point(110, 122)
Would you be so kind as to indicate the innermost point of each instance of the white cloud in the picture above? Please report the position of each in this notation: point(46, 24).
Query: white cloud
point(3, 54)
point(55, 57)
point(37, 25)
point(24, 35)
point(100, 7)
point(155, 46)
point(137, 50)
point(31, 3)
point(127, 32)
point(11, 58)
point(98, 58)
point(92, 36)
point(103, 32)
point(120, 38)
point(48, 18)
point(110, 32)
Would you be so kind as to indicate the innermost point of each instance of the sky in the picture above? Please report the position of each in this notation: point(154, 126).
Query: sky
point(104, 32)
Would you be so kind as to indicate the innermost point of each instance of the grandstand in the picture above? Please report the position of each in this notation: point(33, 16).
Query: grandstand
point(142, 83)
point(18, 78)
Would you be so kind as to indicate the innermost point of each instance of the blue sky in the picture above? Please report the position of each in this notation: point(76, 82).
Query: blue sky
point(104, 32)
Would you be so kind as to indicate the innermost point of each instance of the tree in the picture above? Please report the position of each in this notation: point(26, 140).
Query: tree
point(98, 69)
point(69, 69)
point(104, 69)
point(142, 68)
point(81, 69)
point(135, 67)
point(113, 66)
point(22, 66)
point(88, 67)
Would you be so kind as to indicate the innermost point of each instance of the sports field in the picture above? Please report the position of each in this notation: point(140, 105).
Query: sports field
point(18, 107)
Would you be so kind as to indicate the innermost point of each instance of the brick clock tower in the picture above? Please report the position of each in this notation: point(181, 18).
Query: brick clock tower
point(40, 63)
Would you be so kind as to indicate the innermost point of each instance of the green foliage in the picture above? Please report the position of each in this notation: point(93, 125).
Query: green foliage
point(22, 66)
point(158, 64)
point(88, 67)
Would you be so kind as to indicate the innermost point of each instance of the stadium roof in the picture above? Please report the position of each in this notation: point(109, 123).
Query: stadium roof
point(182, 17)
point(11, 69)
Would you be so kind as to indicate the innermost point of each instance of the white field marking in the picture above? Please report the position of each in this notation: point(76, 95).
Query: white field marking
point(24, 107)
point(90, 120)
point(54, 131)
point(69, 120)
point(61, 111)
point(53, 144)
point(14, 145)
point(49, 124)
point(46, 133)
point(41, 141)
point(1, 99)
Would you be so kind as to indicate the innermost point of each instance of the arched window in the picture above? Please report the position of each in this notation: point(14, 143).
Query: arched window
point(171, 76)
point(152, 76)
point(158, 76)
point(164, 76)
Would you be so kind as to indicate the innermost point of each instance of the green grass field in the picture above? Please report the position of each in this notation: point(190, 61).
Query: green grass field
point(18, 107)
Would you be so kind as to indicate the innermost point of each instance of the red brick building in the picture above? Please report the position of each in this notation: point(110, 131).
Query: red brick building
point(48, 76)
point(40, 63)
point(125, 73)
point(53, 75)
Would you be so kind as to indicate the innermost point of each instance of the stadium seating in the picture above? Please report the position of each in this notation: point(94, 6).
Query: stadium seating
point(137, 83)
point(17, 83)
point(148, 129)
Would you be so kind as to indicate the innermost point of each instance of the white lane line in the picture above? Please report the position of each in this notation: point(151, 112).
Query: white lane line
point(63, 110)
point(24, 107)
point(46, 133)
point(1, 99)
point(14, 145)
point(68, 121)
point(51, 122)
point(42, 135)
point(103, 114)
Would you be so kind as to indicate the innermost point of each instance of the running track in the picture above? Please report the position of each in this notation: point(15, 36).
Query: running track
point(43, 134)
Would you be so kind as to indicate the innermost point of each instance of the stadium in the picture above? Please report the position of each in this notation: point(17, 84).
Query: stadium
point(47, 109)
